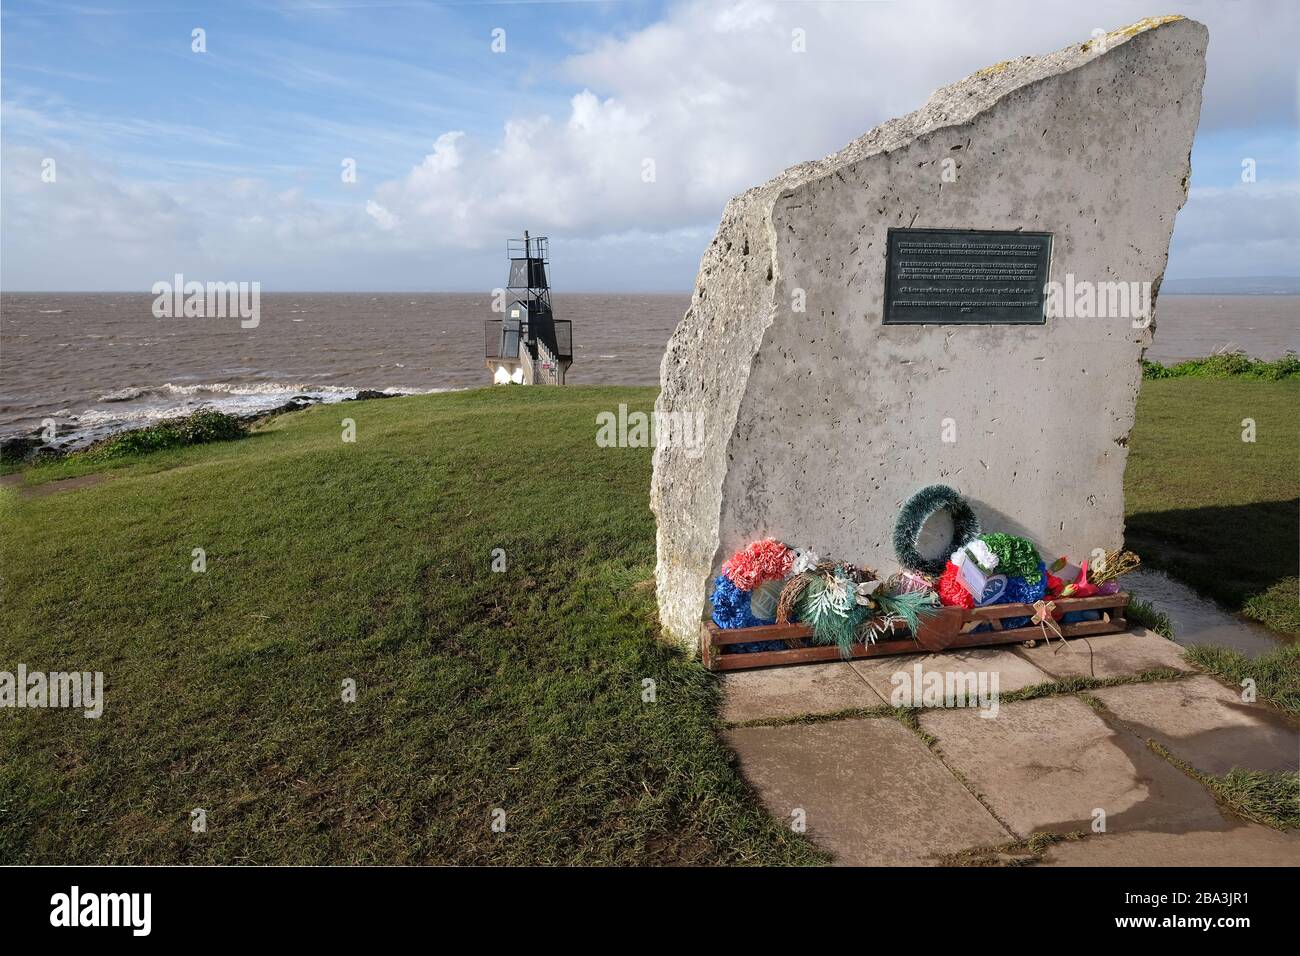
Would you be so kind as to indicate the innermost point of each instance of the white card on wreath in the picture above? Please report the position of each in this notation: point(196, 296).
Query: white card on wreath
point(972, 578)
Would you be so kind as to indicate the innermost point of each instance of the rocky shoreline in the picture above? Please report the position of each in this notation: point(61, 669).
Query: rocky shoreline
point(32, 448)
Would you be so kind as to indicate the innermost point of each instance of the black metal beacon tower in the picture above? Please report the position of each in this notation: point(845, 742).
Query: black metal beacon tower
point(529, 346)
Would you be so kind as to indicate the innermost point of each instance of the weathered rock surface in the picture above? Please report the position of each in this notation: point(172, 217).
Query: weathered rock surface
point(819, 424)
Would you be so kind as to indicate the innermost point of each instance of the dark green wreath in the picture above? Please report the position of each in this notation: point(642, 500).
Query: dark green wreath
point(913, 516)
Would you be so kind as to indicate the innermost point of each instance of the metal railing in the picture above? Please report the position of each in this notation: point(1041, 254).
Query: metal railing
point(547, 370)
point(492, 339)
point(535, 247)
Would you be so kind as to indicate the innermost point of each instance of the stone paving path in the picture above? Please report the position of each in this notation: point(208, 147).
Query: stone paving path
point(874, 791)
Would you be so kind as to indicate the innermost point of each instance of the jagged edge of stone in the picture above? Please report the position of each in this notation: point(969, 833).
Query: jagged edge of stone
point(1023, 73)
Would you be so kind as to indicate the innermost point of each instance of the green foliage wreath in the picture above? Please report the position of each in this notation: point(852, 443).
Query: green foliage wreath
point(1017, 557)
point(914, 514)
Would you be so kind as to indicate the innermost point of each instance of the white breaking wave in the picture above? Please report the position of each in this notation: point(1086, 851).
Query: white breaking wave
point(137, 407)
point(255, 388)
point(122, 395)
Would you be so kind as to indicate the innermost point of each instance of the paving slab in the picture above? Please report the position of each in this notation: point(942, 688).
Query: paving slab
point(871, 791)
point(1013, 671)
point(790, 691)
point(1206, 724)
point(1246, 845)
point(1107, 655)
point(1045, 765)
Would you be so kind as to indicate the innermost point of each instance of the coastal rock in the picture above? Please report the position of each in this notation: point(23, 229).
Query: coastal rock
point(18, 448)
point(819, 422)
point(297, 403)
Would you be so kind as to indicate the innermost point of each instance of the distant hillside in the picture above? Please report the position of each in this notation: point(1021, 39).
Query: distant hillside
point(1229, 285)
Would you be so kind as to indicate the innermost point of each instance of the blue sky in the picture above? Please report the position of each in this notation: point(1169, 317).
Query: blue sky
point(227, 163)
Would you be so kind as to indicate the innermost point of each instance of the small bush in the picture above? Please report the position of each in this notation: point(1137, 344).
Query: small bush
point(1227, 365)
point(199, 428)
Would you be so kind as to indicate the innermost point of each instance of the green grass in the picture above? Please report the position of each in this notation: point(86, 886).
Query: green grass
point(1146, 614)
point(1270, 798)
point(1278, 607)
point(371, 561)
point(1276, 674)
point(1214, 510)
point(1015, 853)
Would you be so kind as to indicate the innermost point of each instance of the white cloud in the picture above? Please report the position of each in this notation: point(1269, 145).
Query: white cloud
point(386, 220)
point(94, 229)
point(720, 101)
point(1250, 229)
point(713, 96)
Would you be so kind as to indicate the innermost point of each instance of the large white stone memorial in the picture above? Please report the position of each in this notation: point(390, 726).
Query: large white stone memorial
point(878, 320)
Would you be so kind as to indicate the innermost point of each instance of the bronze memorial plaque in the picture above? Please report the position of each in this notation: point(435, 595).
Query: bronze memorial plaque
point(966, 277)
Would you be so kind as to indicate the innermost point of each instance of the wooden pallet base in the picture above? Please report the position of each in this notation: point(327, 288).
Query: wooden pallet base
point(948, 628)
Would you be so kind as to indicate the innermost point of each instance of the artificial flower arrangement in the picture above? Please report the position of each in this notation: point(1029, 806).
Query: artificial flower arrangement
point(770, 583)
point(746, 592)
point(987, 569)
point(994, 569)
point(1007, 569)
point(845, 605)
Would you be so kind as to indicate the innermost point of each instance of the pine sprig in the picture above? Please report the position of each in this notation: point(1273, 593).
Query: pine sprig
point(828, 605)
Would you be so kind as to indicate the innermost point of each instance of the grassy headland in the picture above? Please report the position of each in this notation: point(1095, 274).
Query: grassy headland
point(371, 561)
point(475, 690)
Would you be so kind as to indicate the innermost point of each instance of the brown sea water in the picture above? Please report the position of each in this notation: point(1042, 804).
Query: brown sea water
point(101, 361)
